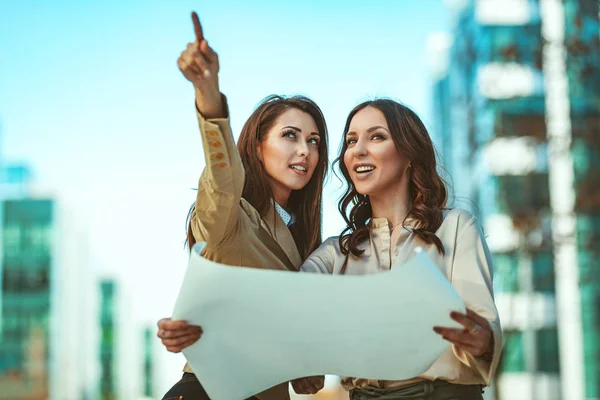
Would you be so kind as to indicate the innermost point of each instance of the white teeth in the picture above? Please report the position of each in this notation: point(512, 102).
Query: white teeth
point(299, 168)
point(365, 168)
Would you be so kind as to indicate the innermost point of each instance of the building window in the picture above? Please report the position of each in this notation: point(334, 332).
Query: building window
point(543, 272)
point(506, 272)
point(523, 193)
point(547, 350)
point(12, 240)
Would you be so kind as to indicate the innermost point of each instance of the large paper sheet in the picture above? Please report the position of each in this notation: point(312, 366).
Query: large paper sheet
point(265, 327)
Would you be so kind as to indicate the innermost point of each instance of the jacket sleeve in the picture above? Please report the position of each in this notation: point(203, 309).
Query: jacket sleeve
point(215, 218)
point(472, 277)
point(321, 260)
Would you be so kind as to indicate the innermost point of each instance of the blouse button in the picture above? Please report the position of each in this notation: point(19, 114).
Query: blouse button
point(216, 145)
point(212, 134)
point(221, 165)
point(218, 156)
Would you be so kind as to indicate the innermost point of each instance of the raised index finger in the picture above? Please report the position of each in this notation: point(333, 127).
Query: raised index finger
point(197, 27)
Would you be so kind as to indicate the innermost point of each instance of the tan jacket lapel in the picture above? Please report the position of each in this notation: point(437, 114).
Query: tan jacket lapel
point(273, 223)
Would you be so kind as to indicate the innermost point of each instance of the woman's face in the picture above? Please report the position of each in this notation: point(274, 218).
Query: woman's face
point(373, 162)
point(290, 153)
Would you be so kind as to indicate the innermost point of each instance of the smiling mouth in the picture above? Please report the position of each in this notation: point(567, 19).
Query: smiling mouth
point(364, 169)
point(299, 168)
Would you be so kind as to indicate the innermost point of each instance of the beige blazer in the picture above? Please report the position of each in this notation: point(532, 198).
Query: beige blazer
point(234, 232)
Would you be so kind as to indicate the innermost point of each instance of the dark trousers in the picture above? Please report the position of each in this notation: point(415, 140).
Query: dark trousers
point(188, 388)
point(436, 390)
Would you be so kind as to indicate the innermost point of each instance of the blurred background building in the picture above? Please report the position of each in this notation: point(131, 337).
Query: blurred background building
point(149, 375)
point(53, 342)
point(108, 343)
point(47, 332)
point(517, 104)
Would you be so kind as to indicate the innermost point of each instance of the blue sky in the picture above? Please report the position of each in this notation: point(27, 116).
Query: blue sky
point(91, 98)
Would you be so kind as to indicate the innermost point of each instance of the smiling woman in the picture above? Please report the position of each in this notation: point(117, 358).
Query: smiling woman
point(258, 205)
point(388, 158)
point(394, 203)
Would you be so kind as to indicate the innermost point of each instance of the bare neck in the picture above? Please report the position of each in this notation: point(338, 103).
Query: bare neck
point(281, 195)
point(394, 205)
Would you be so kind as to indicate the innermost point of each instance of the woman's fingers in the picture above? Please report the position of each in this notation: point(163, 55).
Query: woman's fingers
point(453, 334)
point(474, 338)
point(199, 64)
point(475, 347)
point(177, 333)
point(197, 27)
point(476, 317)
point(209, 53)
point(195, 59)
point(178, 341)
point(179, 348)
point(169, 329)
point(200, 61)
point(168, 323)
point(465, 321)
point(194, 62)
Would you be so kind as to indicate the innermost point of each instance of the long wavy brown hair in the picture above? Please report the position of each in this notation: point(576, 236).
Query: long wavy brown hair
point(305, 204)
point(428, 193)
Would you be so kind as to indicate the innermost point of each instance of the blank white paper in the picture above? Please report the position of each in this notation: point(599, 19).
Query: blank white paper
point(264, 327)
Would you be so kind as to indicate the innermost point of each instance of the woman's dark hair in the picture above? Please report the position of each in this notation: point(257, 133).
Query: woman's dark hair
point(305, 204)
point(427, 190)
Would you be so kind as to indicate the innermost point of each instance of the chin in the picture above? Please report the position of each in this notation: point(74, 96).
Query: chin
point(297, 186)
point(362, 190)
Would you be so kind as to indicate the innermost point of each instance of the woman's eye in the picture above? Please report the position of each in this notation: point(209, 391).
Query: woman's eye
point(350, 141)
point(314, 141)
point(289, 134)
point(377, 136)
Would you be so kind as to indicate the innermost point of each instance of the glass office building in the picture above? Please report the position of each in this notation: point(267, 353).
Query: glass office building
point(496, 126)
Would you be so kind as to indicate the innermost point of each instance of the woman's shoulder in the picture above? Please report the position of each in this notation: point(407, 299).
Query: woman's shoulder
point(323, 259)
point(332, 241)
point(457, 214)
point(328, 247)
point(458, 218)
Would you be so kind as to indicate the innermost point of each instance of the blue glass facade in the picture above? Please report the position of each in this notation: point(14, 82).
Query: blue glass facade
point(475, 105)
point(26, 300)
point(108, 350)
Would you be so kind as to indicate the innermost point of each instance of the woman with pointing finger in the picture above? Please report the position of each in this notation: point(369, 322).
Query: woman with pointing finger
point(258, 205)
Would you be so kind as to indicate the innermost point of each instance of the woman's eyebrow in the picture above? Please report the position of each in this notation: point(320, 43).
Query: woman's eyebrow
point(292, 127)
point(373, 128)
